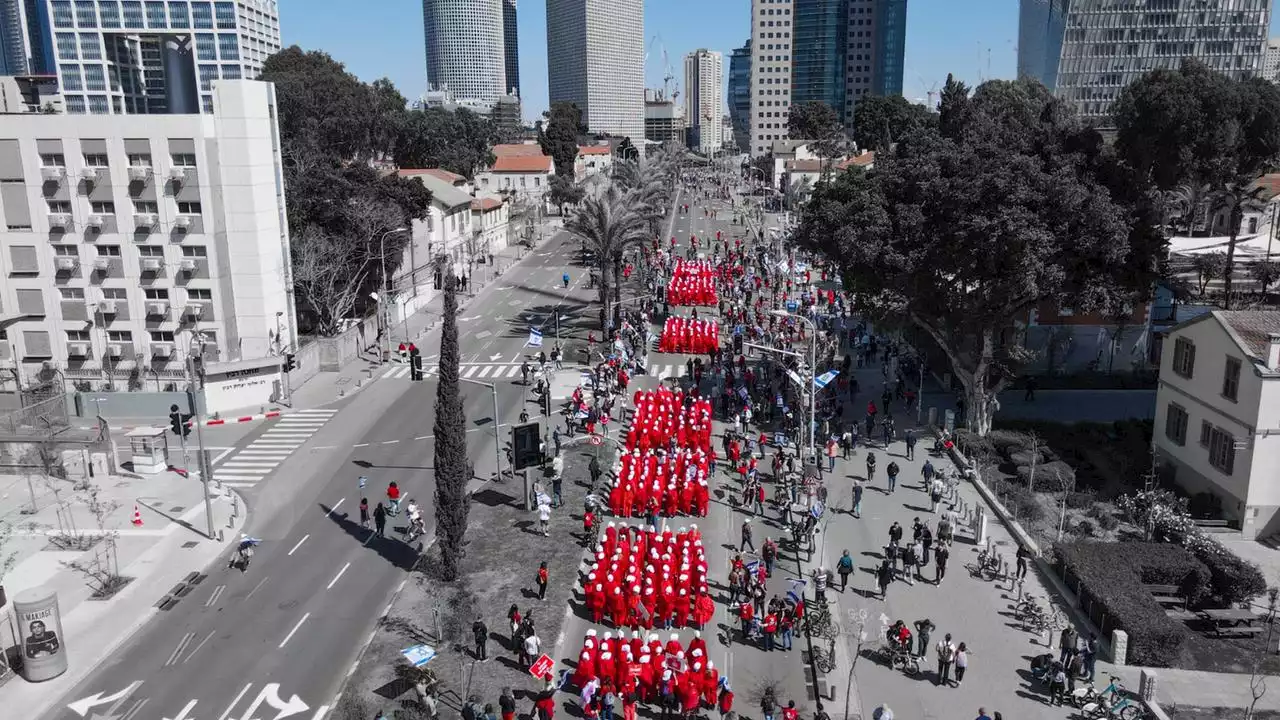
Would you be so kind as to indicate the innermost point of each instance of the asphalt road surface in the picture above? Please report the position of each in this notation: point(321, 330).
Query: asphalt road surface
point(275, 641)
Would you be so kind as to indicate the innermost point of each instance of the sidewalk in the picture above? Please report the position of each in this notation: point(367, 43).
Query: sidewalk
point(69, 526)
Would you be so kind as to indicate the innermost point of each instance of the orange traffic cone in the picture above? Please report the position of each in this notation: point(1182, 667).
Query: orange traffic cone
point(137, 517)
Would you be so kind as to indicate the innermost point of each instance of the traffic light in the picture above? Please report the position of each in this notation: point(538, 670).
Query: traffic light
point(526, 441)
point(175, 422)
point(415, 364)
point(289, 363)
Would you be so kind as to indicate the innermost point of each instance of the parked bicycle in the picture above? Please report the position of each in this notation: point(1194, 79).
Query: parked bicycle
point(900, 658)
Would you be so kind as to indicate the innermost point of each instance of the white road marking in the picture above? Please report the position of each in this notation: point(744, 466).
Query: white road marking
point(206, 639)
point(251, 465)
point(335, 506)
point(390, 442)
point(294, 630)
point(182, 645)
point(255, 589)
point(239, 485)
point(217, 593)
point(295, 547)
point(320, 713)
point(233, 704)
point(360, 445)
point(470, 371)
point(423, 437)
point(334, 581)
point(134, 711)
point(223, 454)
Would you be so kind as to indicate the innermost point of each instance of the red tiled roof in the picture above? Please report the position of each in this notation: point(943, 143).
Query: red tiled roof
point(522, 163)
point(517, 150)
point(1270, 184)
point(864, 160)
point(1253, 327)
point(486, 204)
point(445, 175)
point(593, 150)
point(804, 165)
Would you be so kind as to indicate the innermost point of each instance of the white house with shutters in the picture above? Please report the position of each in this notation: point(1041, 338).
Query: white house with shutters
point(1217, 426)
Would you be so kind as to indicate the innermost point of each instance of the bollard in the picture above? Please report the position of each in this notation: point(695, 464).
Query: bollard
point(1147, 685)
point(235, 506)
point(1119, 647)
point(980, 527)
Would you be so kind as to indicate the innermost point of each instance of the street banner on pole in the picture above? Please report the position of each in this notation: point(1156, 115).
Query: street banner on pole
point(535, 338)
point(825, 378)
point(792, 374)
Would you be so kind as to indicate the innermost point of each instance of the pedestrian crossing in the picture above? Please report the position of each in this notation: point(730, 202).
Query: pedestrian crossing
point(482, 371)
point(249, 465)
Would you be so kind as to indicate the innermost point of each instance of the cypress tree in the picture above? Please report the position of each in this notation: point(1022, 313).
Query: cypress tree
point(451, 466)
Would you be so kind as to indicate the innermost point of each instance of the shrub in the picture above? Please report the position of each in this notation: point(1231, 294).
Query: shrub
point(1107, 520)
point(971, 443)
point(1084, 529)
point(1080, 500)
point(1019, 501)
point(1108, 577)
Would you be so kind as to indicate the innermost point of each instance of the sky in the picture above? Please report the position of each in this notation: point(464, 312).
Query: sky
point(975, 40)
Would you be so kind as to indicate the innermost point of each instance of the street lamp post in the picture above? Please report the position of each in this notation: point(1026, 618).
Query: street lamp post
point(385, 298)
point(497, 438)
point(813, 375)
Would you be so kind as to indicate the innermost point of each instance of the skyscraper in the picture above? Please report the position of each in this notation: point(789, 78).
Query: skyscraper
point(466, 47)
point(740, 95)
point(831, 51)
point(704, 97)
point(511, 46)
point(116, 58)
point(1086, 51)
point(25, 38)
point(595, 60)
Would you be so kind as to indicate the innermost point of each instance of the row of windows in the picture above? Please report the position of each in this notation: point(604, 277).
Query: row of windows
point(109, 208)
point(1184, 364)
point(114, 14)
point(102, 160)
point(126, 336)
point(1220, 444)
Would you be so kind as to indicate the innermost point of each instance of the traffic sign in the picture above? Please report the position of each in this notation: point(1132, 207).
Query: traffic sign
point(542, 666)
point(595, 440)
point(792, 305)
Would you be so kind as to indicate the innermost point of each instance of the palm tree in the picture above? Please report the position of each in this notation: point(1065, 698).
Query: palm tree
point(608, 221)
point(1233, 197)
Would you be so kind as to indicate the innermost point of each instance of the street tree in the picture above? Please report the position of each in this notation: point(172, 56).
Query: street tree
point(558, 136)
point(878, 120)
point(608, 222)
point(1208, 266)
point(326, 278)
point(962, 236)
point(459, 141)
point(819, 124)
point(564, 191)
point(452, 470)
point(1265, 273)
point(1195, 126)
point(953, 108)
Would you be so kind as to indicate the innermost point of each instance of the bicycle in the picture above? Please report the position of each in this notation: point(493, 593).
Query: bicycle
point(824, 658)
point(1111, 708)
point(899, 658)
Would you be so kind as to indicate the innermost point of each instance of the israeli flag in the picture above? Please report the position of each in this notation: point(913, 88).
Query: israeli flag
point(535, 338)
point(825, 378)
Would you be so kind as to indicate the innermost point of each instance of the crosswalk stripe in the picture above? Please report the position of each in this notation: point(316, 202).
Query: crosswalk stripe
point(514, 371)
point(312, 411)
point(234, 484)
point(469, 371)
point(253, 468)
point(235, 476)
point(275, 445)
point(286, 435)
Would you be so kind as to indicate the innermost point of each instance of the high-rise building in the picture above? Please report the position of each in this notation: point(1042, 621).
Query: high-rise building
point(118, 58)
point(1086, 51)
point(25, 38)
point(595, 60)
point(740, 95)
point(134, 243)
point(831, 51)
point(664, 120)
point(466, 48)
point(704, 97)
point(1271, 60)
point(511, 46)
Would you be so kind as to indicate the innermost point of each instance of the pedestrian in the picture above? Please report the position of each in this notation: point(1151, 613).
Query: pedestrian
point(910, 438)
point(923, 628)
point(544, 515)
point(507, 704)
point(946, 656)
point(962, 663)
point(379, 520)
point(1066, 644)
point(786, 625)
point(555, 438)
point(935, 494)
point(884, 576)
point(1032, 383)
point(1057, 683)
point(1021, 559)
point(832, 451)
point(927, 473)
point(790, 712)
point(543, 576)
point(530, 649)
point(982, 714)
point(768, 703)
point(844, 566)
point(364, 513)
point(769, 553)
point(769, 629)
point(746, 536)
point(725, 701)
point(910, 562)
point(1090, 655)
point(857, 498)
point(892, 473)
point(480, 633)
point(871, 466)
point(1074, 666)
point(821, 714)
point(940, 556)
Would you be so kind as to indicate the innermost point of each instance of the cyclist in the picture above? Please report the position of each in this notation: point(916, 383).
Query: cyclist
point(415, 520)
point(565, 279)
point(393, 499)
point(244, 551)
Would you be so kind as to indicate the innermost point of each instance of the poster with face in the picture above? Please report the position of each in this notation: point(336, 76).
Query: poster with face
point(40, 628)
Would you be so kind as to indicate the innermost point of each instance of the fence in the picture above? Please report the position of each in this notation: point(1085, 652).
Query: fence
point(330, 354)
point(38, 418)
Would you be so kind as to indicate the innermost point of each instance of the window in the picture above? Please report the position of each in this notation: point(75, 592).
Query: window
point(98, 105)
point(199, 294)
point(155, 294)
point(59, 206)
point(193, 251)
point(66, 251)
point(77, 336)
point(89, 47)
point(228, 47)
point(226, 15)
point(145, 206)
point(155, 14)
point(178, 16)
point(62, 15)
point(102, 208)
point(53, 160)
point(108, 250)
point(71, 293)
point(206, 49)
point(133, 14)
point(71, 77)
point(115, 294)
point(150, 251)
point(122, 336)
point(161, 335)
point(230, 72)
point(208, 73)
point(1221, 445)
point(1175, 424)
point(110, 13)
point(96, 160)
point(188, 208)
point(94, 78)
point(184, 160)
point(1231, 379)
point(1184, 357)
point(202, 16)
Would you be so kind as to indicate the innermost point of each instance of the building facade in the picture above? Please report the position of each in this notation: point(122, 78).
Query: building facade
point(704, 97)
point(663, 120)
point(1086, 51)
point(128, 245)
point(466, 48)
point(511, 46)
point(595, 60)
point(831, 51)
point(25, 38)
point(1271, 60)
point(740, 95)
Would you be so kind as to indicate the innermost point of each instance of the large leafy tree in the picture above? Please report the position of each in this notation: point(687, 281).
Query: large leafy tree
point(452, 470)
point(459, 141)
point(820, 124)
point(559, 136)
point(961, 235)
point(332, 127)
point(878, 120)
point(1201, 138)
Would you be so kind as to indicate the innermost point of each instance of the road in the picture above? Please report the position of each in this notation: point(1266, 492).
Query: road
point(275, 641)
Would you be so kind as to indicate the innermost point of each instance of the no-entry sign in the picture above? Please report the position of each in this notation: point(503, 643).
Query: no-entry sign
point(595, 440)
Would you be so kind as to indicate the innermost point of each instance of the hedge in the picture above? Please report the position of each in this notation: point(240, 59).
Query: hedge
point(1108, 578)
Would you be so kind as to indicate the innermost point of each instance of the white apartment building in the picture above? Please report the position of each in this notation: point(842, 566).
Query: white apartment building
point(770, 72)
point(129, 244)
point(525, 179)
point(443, 235)
point(595, 59)
point(117, 57)
point(1217, 420)
point(704, 97)
point(466, 48)
point(1271, 60)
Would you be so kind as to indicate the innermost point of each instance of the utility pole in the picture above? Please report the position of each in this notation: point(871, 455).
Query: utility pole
point(196, 383)
point(497, 437)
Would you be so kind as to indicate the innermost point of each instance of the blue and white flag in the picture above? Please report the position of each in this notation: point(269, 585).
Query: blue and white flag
point(825, 378)
point(535, 338)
